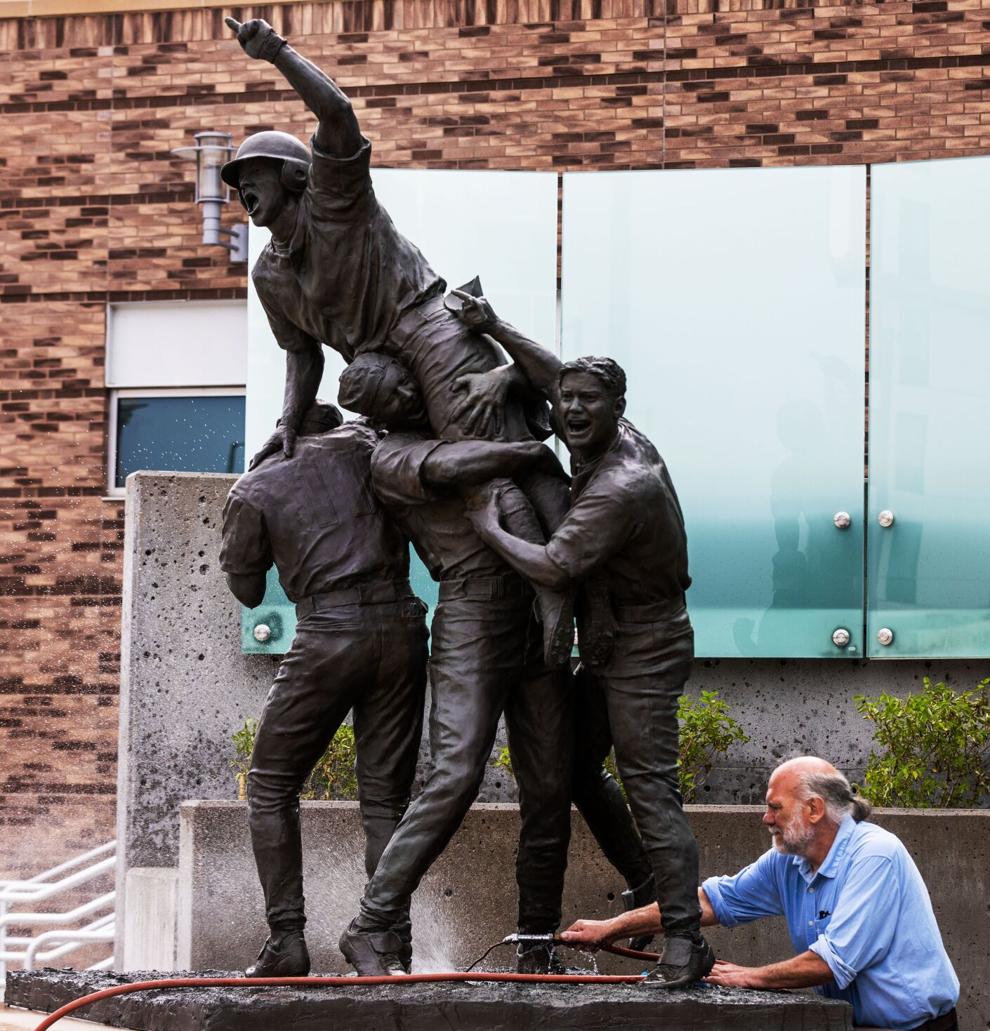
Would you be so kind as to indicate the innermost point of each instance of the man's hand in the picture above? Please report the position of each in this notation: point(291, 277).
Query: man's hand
point(257, 38)
point(479, 410)
point(283, 439)
point(731, 975)
point(476, 312)
point(590, 933)
point(482, 504)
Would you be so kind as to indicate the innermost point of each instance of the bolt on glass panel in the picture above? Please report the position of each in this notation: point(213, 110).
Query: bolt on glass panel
point(928, 545)
point(735, 301)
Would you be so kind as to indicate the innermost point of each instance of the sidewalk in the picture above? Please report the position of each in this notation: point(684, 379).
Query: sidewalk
point(28, 1020)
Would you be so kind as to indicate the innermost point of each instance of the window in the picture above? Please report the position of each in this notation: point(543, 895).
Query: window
point(176, 373)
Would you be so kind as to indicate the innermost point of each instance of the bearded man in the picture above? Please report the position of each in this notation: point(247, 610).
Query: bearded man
point(857, 909)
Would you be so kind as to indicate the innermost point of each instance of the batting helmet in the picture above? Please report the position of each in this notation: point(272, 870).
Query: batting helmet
point(278, 146)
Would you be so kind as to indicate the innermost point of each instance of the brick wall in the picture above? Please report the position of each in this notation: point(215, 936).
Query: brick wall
point(94, 209)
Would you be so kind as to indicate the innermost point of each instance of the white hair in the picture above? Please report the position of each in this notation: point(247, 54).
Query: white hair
point(837, 794)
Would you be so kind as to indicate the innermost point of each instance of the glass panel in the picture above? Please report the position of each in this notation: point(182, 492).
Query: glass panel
point(735, 301)
point(929, 572)
point(499, 225)
point(179, 434)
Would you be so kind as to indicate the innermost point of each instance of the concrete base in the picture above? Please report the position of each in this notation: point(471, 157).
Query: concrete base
point(425, 1007)
point(467, 900)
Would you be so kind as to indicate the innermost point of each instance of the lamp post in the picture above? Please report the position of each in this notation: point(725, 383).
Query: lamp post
point(210, 151)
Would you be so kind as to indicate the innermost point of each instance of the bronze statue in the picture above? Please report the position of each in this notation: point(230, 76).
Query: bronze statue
point(338, 272)
point(624, 532)
point(360, 644)
point(485, 659)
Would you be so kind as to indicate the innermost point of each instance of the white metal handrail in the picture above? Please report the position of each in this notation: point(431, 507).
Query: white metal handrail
point(27, 892)
point(85, 857)
point(65, 935)
point(99, 931)
point(40, 919)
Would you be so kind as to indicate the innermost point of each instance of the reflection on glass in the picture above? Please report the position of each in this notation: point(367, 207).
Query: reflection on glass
point(734, 299)
point(929, 573)
point(179, 434)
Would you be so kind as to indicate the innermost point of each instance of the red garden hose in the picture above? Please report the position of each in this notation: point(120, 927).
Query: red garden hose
point(621, 950)
point(340, 981)
point(301, 982)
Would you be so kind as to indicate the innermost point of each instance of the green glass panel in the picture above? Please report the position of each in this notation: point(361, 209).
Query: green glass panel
point(467, 223)
point(735, 301)
point(196, 434)
point(929, 572)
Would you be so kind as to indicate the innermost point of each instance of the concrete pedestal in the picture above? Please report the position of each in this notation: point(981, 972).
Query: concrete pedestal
point(426, 1007)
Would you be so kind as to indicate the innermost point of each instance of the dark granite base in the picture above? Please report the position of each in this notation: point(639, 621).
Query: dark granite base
point(427, 1007)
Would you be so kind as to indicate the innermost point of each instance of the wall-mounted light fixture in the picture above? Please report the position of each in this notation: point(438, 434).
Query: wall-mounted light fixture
point(211, 150)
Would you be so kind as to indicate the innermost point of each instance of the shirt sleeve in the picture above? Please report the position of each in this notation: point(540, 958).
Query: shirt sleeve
point(748, 895)
point(246, 548)
point(397, 467)
point(598, 525)
point(861, 929)
point(340, 186)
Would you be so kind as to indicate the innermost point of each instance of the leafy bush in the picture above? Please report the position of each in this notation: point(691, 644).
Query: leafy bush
point(706, 732)
point(333, 777)
point(935, 747)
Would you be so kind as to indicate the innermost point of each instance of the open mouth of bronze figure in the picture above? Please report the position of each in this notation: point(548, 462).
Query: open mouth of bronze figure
point(250, 200)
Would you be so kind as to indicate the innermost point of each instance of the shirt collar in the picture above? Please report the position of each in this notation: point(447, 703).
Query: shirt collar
point(835, 853)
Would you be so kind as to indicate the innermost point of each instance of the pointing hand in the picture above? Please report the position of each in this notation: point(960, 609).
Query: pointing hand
point(257, 38)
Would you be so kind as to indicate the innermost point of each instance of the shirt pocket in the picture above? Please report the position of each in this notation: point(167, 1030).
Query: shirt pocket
point(824, 907)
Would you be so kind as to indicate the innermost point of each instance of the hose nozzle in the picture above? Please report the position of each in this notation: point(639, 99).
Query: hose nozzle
point(523, 938)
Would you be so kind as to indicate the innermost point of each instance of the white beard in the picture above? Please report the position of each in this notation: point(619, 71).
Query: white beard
point(795, 839)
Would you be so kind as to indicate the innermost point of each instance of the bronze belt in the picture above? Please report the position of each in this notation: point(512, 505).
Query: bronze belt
point(375, 593)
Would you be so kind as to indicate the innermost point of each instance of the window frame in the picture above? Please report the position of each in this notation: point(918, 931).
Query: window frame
point(116, 393)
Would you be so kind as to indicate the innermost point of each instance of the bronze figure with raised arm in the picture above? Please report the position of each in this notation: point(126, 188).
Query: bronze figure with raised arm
point(338, 273)
point(625, 533)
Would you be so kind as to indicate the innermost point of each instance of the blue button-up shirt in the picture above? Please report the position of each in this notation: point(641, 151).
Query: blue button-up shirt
point(865, 912)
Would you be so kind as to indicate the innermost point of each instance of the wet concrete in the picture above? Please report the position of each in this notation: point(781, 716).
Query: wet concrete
point(456, 1007)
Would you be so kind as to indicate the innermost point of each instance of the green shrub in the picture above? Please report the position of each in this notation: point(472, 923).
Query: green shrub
point(935, 747)
point(706, 732)
point(333, 776)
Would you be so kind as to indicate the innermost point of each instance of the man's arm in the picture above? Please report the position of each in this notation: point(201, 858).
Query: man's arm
point(598, 525)
point(804, 971)
point(338, 134)
point(540, 367)
point(529, 560)
point(247, 588)
point(303, 373)
point(471, 462)
point(245, 551)
point(629, 925)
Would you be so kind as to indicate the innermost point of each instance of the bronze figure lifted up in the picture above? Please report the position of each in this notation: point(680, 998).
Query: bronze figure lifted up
point(338, 273)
